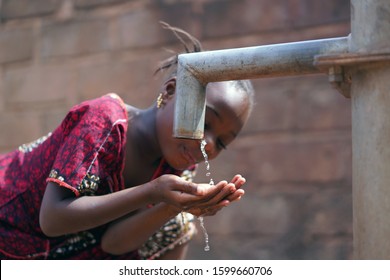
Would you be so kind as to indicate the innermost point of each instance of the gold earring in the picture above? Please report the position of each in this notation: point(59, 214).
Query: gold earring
point(159, 100)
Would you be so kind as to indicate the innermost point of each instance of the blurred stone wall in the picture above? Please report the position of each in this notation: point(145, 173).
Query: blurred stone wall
point(295, 151)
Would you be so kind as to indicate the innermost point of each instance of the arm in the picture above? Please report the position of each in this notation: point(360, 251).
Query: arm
point(61, 213)
point(129, 233)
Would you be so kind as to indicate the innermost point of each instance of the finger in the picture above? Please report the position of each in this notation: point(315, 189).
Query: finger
point(238, 185)
point(238, 181)
point(236, 195)
point(235, 178)
point(218, 197)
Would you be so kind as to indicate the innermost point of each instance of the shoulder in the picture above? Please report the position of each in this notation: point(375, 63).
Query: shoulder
point(109, 105)
point(91, 143)
point(105, 111)
point(110, 102)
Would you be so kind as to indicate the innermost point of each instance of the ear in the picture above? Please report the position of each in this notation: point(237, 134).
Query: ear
point(167, 92)
point(169, 89)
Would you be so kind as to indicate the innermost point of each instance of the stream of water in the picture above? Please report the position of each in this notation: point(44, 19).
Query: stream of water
point(208, 173)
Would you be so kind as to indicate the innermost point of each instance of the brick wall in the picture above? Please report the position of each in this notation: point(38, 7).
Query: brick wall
point(295, 150)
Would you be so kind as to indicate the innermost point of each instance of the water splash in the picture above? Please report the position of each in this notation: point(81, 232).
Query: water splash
point(203, 144)
point(206, 235)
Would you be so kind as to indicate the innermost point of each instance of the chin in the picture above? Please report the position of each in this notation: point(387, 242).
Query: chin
point(179, 166)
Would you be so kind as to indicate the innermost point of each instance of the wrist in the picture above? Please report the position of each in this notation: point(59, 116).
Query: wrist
point(153, 193)
point(171, 210)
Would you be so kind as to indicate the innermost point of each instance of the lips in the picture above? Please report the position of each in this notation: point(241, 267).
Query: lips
point(188, 156)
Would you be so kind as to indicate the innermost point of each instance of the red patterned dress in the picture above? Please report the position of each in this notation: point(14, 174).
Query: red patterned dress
point(84, 154)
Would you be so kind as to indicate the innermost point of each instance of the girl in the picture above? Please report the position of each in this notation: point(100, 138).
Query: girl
point(109, 182)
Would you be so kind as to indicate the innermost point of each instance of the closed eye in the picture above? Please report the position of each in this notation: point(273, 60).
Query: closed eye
point(221, 145)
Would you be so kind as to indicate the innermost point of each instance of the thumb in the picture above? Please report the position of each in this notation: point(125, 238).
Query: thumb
point(190, 188)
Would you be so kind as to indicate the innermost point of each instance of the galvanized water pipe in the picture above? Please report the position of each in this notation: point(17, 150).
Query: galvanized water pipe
point(195, 70)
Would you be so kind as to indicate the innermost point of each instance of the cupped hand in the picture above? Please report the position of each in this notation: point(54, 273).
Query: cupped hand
point(229, 193)
point(183, 194)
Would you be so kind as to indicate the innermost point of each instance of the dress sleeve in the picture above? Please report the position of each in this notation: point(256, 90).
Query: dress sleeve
point(91, 145)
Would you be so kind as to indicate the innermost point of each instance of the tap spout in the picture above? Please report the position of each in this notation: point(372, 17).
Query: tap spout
point(196, 70)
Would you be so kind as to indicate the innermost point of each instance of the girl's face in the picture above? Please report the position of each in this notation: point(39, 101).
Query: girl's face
point(226, 112)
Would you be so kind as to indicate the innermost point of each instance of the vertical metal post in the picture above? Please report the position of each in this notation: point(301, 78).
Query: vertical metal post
point(370, 93)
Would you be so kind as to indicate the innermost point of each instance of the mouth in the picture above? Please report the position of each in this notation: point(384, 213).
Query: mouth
point(188, 156)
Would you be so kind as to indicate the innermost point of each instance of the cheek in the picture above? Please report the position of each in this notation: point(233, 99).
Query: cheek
point(164, 125)
point(168, 144)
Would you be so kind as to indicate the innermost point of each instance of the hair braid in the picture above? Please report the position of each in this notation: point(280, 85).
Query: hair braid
point(189, 42)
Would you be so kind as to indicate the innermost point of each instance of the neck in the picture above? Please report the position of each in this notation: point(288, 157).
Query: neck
point(142, 137)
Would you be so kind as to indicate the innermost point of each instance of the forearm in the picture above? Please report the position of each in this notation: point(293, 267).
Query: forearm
point(62, 216)
point(130, 233)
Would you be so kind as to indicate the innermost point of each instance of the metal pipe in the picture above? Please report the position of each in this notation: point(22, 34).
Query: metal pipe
point(370, 97)
point(195, 70)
